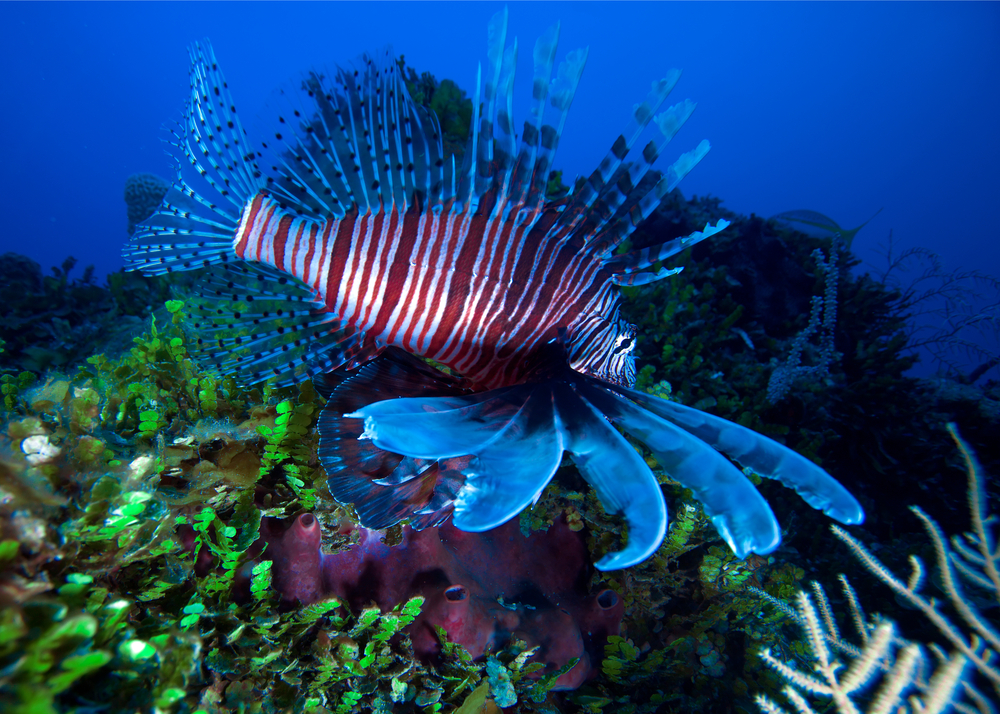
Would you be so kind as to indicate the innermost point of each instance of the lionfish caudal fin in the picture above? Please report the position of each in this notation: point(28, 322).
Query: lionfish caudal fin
point(349, 142)
point(499, 449)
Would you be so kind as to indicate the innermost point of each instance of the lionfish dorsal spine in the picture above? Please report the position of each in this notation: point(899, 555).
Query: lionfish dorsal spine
point(496, 38)
point(503, 129)
point(544, 57)
point(561, 94)
point(353, 201)
point(590, 198)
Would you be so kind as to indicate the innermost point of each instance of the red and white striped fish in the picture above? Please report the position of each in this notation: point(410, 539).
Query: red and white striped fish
point(346, 238)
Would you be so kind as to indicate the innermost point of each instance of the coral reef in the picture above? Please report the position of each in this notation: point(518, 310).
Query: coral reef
point(481, 588)
point(448, 101)
point(53, 321)
point(143, 193)
point(57, 321)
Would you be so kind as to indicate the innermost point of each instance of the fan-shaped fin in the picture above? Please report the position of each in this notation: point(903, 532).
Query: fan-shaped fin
point(441, 427)
point(371, 478)
point(621, 478)
point(514, 469)
point(738, 511)
point(510, 432)
point(764, 456)
point(256, 323)
point(215, 174)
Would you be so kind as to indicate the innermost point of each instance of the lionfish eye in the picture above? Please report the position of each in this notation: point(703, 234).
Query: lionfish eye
point(624, 344)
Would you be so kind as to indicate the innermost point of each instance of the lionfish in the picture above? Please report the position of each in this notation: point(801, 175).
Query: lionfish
point(346, 247)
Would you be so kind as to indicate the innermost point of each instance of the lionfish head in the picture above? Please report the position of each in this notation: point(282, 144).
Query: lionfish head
point(605, 350)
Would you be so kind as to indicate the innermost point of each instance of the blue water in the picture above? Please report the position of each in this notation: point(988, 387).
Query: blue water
point(841, 108)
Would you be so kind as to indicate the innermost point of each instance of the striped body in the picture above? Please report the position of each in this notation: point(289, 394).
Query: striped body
point(475, 293)
point(350, 230)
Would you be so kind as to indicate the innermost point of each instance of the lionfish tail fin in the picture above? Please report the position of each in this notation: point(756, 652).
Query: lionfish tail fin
point(215, 174)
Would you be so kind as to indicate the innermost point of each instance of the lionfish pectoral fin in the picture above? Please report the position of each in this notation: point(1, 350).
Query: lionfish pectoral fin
point(510, 474)
point(621, 478)
point(738, 512)
point(765, 457)
point(509, 432)
point(439, 427)
point(385, 487)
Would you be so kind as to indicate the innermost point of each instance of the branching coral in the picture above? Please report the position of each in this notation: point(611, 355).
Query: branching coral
point(822, 324)
point(902, 666)
point(954, 316)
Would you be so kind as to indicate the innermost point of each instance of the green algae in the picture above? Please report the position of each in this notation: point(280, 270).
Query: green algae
point(129, 451)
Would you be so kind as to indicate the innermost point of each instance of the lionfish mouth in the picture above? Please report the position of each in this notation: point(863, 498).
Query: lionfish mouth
point(486, 456)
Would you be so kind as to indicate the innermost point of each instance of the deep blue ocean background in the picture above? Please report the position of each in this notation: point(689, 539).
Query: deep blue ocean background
point(842, 108)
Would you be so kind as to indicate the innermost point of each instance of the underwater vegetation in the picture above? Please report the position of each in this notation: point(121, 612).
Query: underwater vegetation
point(169, 540)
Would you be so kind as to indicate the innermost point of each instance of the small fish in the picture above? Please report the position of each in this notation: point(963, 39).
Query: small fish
point(343, 246)
point(819, 226)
